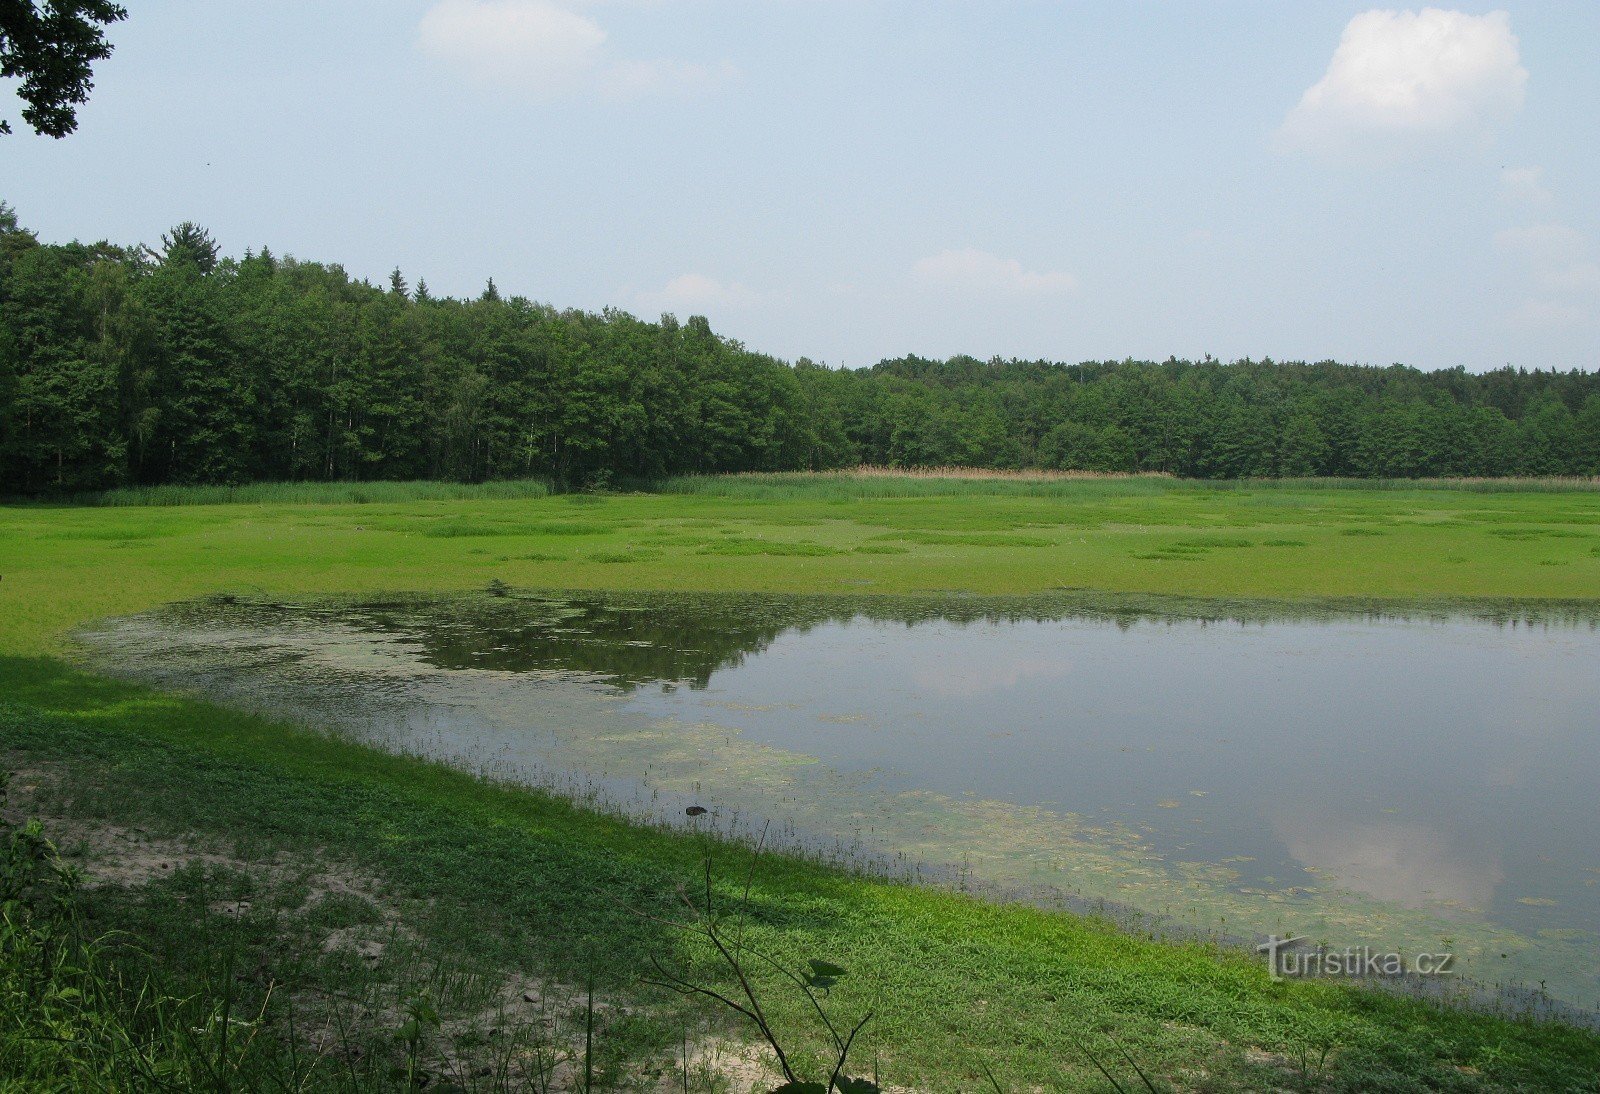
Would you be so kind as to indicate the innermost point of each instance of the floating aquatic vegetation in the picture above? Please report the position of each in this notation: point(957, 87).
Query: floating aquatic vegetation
point(598, 695)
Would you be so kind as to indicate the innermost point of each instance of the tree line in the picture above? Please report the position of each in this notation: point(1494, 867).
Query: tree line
point(123, 365)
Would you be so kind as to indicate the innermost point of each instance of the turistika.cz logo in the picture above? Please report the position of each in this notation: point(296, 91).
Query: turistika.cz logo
point(1284, 961)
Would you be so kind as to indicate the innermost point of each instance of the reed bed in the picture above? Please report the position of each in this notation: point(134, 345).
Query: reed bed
point(867, 481)
point(1529, 484)
point(317, 493)
point(888, 482)
point(1018, 474)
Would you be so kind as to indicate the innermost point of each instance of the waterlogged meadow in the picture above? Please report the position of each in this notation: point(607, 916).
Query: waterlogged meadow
point(1207, 711)
point(1415, 781)
point(801, 534)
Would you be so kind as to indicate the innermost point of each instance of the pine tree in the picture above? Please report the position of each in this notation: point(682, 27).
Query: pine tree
point(188, 244)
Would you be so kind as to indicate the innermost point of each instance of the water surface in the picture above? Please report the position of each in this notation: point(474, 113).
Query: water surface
point(1421, 781)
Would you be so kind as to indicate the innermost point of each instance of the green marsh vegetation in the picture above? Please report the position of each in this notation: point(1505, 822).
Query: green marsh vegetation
point(480, 886)
point(806, 534)
point(500, 885)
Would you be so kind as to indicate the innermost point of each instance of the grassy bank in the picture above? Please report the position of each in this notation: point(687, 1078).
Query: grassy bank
point(499, 881)
point(479, 886)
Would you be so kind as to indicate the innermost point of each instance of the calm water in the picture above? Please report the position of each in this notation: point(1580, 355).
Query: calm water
point(1401, 782)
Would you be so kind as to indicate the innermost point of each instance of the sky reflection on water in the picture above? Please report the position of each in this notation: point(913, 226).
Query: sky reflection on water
point(1384, 779)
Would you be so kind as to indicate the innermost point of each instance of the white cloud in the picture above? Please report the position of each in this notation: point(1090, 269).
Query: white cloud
point(1409, 864)
point(694, 293)
point(1524, 184)
point(974, 271)
point(1401, 79)
point(525, 43)
point(544, 47)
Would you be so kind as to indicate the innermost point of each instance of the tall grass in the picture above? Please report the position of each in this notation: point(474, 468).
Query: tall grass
point(880, 482)
point(844, 485)
point(849, 483)
point(201, 1009)
point(68, 1020)
point(318, 493)
point(1515, 484)
point(1017, 474)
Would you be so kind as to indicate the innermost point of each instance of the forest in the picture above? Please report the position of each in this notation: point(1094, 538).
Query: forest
point(132, 365)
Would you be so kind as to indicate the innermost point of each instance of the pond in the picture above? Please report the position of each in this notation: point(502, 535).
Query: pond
point(1420, 782)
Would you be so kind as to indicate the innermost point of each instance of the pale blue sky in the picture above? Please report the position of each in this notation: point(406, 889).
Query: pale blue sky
point(854, 179)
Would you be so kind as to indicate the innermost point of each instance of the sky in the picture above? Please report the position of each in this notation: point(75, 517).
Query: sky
point(849, 180)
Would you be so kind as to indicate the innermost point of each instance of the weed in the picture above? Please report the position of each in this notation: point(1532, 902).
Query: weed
point(814, 983)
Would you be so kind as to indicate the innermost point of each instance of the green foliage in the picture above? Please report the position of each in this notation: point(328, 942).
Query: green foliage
point(176, 997)
point(319, 493)
point(724, 932)
point(123, 367)
point(51, 49)
point(188, 246)
point(67, 1021)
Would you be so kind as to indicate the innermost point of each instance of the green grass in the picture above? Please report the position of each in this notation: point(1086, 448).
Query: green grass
point(512, 879)
point(317, 493)
point(884, 484)
point(61, 566)
point(502, 878)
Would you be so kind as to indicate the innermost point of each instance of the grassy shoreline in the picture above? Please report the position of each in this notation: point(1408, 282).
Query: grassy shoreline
point(503, 877)
point(518, 880)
